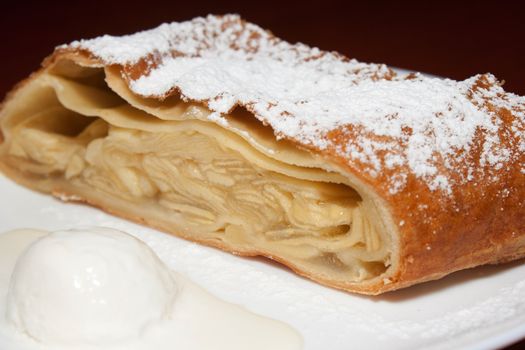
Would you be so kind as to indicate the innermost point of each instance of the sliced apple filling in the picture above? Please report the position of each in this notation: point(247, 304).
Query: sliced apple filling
point(207, 181)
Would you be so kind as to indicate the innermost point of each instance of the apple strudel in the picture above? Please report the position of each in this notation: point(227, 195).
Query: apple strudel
point(219, 132)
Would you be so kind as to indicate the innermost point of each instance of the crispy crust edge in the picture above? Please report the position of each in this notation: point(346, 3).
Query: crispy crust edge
point(485, 240)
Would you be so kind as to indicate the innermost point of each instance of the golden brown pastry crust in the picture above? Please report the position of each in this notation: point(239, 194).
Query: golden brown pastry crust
point(482, 222)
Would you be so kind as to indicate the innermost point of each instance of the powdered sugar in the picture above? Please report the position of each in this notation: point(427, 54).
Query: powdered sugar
point(417, 126)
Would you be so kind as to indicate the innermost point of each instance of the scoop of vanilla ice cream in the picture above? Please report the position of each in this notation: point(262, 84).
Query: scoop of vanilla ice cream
point(91, 286)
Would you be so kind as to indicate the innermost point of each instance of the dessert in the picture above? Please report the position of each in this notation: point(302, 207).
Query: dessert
point(99, 288)
point(110, 281)
point(217, 131)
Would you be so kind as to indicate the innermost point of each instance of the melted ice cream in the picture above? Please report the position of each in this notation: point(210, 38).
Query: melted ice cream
point(103, 289)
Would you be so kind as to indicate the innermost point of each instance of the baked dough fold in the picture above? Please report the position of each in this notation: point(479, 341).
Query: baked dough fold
point(78, 130)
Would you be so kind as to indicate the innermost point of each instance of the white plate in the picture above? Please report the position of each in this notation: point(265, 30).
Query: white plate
point(475, 309)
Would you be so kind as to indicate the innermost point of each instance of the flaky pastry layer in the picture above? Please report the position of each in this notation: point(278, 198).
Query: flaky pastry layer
point(341, 200)
point(197, 177)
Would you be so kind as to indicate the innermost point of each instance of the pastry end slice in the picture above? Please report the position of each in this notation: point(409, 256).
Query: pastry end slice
point(216, 131)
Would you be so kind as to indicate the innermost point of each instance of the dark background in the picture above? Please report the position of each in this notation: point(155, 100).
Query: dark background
point(452, 39)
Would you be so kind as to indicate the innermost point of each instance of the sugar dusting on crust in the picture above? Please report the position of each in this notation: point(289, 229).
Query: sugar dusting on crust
point(415, 125)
